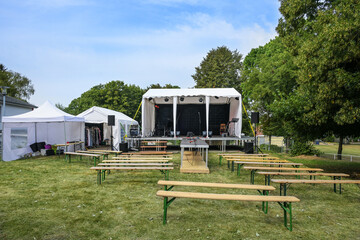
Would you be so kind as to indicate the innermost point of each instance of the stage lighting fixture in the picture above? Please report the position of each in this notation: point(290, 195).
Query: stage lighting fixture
point(166, 99)
point(200, 100)
point(181, 99)
point(237, 98)
point(216, 97)
point(150, 98)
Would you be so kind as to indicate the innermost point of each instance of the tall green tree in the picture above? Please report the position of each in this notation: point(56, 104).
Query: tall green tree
point(268, 74)
point(219, 69)
point(20, 86)
point(115, 95)
point(324, 38)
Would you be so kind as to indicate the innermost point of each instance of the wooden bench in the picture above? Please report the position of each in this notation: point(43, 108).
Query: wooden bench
point(232, 161)
point(297, 174)
point(106, 151)
point(142, 157)
point(94, 156)
point(101, 170)
point(280, 164)
point(285, 203)
point(135, 160)
point(285, 183)
point(254, 169)
point(148, 153)
point(222, 155)
point(104, 154)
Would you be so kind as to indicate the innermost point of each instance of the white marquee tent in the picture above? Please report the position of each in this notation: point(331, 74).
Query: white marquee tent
point(45, 124)
point(99, 115)
point(190, 96)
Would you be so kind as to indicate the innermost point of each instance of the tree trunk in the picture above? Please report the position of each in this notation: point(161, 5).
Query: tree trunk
point(269, 142)
point(341, 139)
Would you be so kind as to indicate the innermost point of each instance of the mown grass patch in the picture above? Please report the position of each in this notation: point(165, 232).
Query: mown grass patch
point(348, 149)
point(47, 198)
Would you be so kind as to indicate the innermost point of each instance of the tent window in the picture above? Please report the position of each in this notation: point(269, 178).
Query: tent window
point(19, 137)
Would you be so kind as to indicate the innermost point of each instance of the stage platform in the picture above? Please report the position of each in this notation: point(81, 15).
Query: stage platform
point(222, 142)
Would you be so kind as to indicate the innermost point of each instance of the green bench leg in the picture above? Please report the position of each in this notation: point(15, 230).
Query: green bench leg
point(265, 205)
point(252, 176)
point(99, 177)
point(287, 211)
point(228, 163)
point(239, 168)
point(267, 180)
point(232, 166)
point(166, 205)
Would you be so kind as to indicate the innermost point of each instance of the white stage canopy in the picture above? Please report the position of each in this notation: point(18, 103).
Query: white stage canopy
point(100, 115)
point(45, 124)
point(190, 96)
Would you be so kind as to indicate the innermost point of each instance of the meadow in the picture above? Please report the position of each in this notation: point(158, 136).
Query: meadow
point(48, 198)
point(349, 149)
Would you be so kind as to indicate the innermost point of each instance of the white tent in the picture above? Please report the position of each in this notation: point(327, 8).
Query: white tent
point(45, 124)
point(176, 97)
point(99, 115)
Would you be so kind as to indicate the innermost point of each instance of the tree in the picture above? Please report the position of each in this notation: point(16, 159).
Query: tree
point(324, 38)
point(268, 74)
point(115, 95)
point(219, 69)
point(19, 86)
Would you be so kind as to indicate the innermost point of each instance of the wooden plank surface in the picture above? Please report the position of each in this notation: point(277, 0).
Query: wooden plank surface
point(131, 168)
point(141, 158)
point(135, 164)
point(216, 185)
point(149, 153)
point(256, 160)
point(82, 154)
point(284, 169)
point(134, 160)
point(304, 174)
point(241, 154)
point(270, 163)
point(235, 197)
point(108, 151)
point(314, 181)
point(93, 152)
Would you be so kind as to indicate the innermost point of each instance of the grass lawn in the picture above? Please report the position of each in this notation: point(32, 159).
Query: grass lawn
point(349, 149)
point(47, 198)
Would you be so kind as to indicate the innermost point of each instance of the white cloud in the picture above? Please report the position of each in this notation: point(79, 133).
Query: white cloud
point(71, 65)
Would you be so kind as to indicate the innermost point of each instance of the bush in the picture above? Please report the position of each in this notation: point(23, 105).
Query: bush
point(273, 148)
point(303, 148)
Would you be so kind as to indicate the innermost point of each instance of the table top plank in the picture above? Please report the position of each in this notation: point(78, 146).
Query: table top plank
point(216, 185)
point(283, 168)
point(235, 197)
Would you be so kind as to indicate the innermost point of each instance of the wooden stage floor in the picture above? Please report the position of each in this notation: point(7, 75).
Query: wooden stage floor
point(193, 163)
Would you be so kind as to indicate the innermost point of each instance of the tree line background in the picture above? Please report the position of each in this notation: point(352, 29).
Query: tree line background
point(305, 83)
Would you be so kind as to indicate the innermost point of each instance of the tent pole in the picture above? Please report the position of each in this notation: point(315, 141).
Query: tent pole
point(65, 137)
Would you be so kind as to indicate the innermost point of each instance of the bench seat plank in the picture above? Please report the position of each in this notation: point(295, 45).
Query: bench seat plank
point(140, 158)
point(135, 164)
point(82, 154)
point(314, 181)
point(134, 161)
point(132, 168)
point(284, 169)
point(270, 163)
point(235, 197)
point(304, 174)
point(216, 185)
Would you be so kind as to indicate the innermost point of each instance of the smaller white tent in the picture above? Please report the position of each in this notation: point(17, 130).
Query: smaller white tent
point(99, 115)
point(45, 124)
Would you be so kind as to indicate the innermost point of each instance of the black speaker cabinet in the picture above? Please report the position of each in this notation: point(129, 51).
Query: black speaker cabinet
point(254, 117)
point(249, 148)
point(111, 120)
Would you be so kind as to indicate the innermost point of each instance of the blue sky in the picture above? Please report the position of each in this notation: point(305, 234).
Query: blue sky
point(68, 46)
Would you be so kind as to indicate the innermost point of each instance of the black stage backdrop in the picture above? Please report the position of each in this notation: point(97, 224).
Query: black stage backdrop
point(190, 118)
